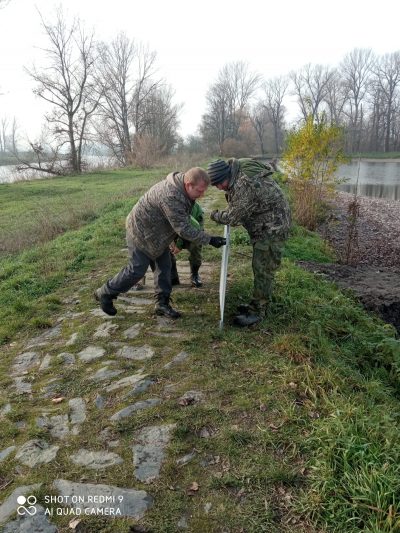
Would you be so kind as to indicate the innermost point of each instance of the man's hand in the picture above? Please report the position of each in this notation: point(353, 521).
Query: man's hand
point(174, 249)
point(217, 242)
point(214, 215)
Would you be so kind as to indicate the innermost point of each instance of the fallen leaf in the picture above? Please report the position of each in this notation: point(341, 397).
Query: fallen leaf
point(274, 427)
point(58, 400)
point(74, 523)
point(194, 487)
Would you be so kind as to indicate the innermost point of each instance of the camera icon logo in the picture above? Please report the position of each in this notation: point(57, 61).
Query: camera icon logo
point(30, 509)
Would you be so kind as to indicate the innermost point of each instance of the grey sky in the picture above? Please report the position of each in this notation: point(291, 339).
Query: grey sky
point(194, 40)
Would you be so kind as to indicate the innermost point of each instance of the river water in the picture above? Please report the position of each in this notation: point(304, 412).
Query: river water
point(9, 174)
point(371, 177)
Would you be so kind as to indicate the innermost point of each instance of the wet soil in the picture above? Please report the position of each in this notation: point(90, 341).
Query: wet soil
point(368, 261)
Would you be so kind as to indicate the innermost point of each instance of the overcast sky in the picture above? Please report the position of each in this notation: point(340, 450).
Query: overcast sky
point(193, 41)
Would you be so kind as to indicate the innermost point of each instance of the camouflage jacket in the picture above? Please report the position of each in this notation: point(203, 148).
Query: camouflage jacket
point(161, 214)
point(257, 203)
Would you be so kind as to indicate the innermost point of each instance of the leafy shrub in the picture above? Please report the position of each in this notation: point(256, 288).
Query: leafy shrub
point(314, 152)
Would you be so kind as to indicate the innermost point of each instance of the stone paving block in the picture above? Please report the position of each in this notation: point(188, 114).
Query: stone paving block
point(35, 452)
point(138, 406)
point(91, 353)
point(182, 356)
point(149, 451)
point(77, 410)
point(133, 331)
point(10, 504)
point(138, 353)
point(129, 380)
point(95, 460)
point(6, 452)
point(125, 502)
point(38, 523)
point(25, 362)
point(45, 338)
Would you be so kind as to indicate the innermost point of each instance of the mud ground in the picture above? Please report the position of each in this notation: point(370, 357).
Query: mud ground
point(368, 251)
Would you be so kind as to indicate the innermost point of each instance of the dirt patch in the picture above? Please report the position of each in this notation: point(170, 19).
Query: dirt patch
point(374, 270)
point(377, 289)
point(377, 231)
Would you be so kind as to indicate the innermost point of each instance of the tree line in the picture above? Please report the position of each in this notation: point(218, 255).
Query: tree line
point(109, 94)
point(247, 114)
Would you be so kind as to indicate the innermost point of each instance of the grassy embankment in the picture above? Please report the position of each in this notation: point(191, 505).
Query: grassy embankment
point(376, 155)
point(303, 410)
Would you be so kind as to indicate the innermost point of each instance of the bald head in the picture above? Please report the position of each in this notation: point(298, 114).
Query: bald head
point(196, 181)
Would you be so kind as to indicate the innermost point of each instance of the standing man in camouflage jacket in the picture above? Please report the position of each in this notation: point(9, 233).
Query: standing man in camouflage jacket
point(154, 222)
point(256, 202)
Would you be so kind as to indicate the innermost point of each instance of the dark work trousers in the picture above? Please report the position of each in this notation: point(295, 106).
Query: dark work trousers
point(137, 268)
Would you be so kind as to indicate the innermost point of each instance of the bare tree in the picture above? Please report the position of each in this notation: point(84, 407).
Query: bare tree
point(259, 119)
point(8, 134)
point(3, 134)
point(310, 87)
point(387, 79)
point(145, 85)
point(275, 91)
point(67, 84)
point(356, 70)
point(336, 98)
point(124, 77)
point(214, 125)
point(227, 100)
point(161, 118)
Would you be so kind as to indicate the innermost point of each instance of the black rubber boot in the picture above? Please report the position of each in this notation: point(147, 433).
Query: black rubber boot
point(195, 278)
point(247, 320)
point(106, 302)
point(163, 308)
point(243, 309)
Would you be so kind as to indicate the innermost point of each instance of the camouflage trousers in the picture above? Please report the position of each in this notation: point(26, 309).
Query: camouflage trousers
point(194, 250)
point(267, 256)
point(194, 255)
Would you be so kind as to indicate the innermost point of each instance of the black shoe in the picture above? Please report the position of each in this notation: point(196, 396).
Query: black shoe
point(106, 302)
point(246, 320)
point(243, 309)
point(163, 308)
point(196, 281)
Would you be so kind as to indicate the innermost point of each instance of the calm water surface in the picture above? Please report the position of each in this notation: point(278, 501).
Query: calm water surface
point(376, 178)
point(9, 174)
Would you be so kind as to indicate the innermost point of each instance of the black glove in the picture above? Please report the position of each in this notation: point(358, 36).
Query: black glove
point(217, 242)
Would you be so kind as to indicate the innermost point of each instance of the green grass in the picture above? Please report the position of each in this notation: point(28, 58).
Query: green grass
point(37, 211)
point(376, 155)
point(302, 411)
